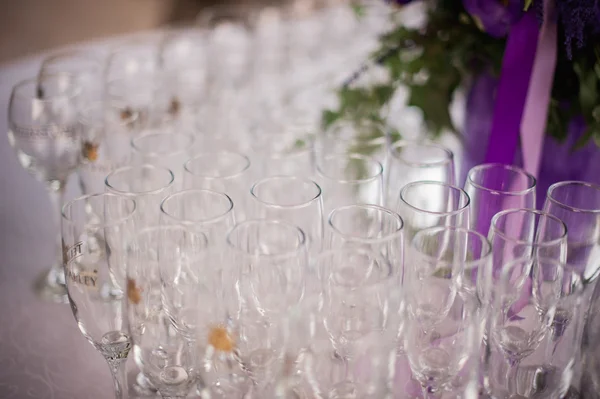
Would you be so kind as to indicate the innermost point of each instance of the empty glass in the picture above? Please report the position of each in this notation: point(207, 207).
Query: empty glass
point(294, 199)
point(147, 184)
point(164, 148)
point(410, 161)
point(131, 59)
point(206, 211)
point(349, 179)
point(94, 229)
point(494, 188)
point(424, 204)
point(522, 314)
point(360, 312)
point(223, 171)
point(577, 204)
point(162, 267)
point(182, 48)
point(44, 131)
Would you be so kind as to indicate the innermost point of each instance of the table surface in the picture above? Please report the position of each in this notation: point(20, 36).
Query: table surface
point(42, 352)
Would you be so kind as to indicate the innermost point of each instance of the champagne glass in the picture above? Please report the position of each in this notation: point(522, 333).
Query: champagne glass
point(349, 179)
point(183, 47)
point(294, 199)
point(424, 204)
point(162, 325)
point(410, 161)
point(578, 205)
point(44, 132)
point(494, 188)
point(223, 171)
point(93, 243)
point(133, 58)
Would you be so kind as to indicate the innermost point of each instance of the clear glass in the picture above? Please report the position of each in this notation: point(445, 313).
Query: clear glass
point(105, 145)
point(159, 324)
point(180, 98)
point(361, 317)
point(132, 58)
point(86, 67)
point(523, 312)
point(134, 95)
point(426, 204)
point(44, 132)
point(147, 184)
point(182, 48)
point(577, 204)
point(267, 264)
point(410, 161)
point(294, 199)
point(524, 233)
point(497, 187)
point(223, 171)
point(444, 262)
point(349, 179)
point(164, 148)
point(206, 211)
point(371, 227)
point(94, 229)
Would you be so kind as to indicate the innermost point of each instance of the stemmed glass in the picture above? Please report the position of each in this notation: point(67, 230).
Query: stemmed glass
point(267, 265)
point(494, 188)
point(164, 148)
point(349, 179)
point(222, 171)
point(360, 312)
point(164, 266)
point(424, 204)
point(294, 199)
point(93, 247)
point(518, 329)
point(44, 131)
point(410, 161)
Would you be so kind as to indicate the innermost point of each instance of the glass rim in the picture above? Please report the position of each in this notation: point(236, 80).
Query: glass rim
point(384, 280)
point(209, 220)
point(425, 144)
point(217, 154)
point(573, 183)
point(367, 240)
point(75, 89)
point(501, 233)
point(140, 166)
point(87, 55)
point(486, 257)
point(151, 133)
point(285, 177)
point(86, 197)
point(348, 157)
point(459, 190)
point(515, 169)
point(302, 244)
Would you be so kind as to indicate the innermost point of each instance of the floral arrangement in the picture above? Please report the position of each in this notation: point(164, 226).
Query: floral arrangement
point(531, 67)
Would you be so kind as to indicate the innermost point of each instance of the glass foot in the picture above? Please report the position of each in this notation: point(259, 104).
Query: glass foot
point(50, 286)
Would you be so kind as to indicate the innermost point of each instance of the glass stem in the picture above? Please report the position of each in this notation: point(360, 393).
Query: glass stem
point(56, 192)
point(118, 370)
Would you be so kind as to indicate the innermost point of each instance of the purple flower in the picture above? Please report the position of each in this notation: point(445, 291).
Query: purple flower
point(495, 16)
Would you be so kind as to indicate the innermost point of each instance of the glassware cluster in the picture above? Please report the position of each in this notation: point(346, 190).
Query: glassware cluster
point(234, 250)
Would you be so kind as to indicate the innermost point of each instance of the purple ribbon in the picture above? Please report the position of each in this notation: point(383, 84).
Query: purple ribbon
point(517, 65)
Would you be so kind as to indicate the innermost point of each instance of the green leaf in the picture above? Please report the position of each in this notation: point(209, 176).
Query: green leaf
point(583, 140)
point(328, 118)
point(588, 89)
point(359, 10)
point(528, 4)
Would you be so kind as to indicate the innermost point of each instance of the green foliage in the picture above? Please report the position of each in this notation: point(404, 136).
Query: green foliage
point(434, 61)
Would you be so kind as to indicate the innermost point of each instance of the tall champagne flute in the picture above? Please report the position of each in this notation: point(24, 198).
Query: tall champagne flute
point(223, 171)
point(494, 188)
point(164, 148)
point(43, 129)
point(424, 204)
point(349, 179)
point(294, 199)
point(410, 161)
point(94, 247)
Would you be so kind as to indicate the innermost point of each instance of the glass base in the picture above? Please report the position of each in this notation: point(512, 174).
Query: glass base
point(50, 286)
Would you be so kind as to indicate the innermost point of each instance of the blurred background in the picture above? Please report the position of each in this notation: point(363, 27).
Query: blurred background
point(30, 26)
